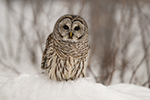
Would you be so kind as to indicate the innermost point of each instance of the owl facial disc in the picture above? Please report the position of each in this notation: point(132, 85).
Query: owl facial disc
point(71, 28)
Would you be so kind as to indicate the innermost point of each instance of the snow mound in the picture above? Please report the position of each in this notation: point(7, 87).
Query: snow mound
point(39, 87)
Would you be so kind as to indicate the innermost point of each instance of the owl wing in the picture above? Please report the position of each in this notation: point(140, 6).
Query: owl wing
point(49, 42)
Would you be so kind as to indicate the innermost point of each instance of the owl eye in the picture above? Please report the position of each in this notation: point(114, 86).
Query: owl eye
point(65, 27)
point(77, 28)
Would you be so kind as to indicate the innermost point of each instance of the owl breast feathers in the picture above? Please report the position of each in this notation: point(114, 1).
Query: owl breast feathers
point(67, 49)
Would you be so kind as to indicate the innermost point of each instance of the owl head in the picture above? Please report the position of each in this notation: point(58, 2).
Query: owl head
point(71, 28)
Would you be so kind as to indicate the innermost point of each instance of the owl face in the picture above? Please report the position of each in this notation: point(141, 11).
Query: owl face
point(71, 28)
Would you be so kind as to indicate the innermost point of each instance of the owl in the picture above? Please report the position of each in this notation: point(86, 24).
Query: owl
point(67, 49)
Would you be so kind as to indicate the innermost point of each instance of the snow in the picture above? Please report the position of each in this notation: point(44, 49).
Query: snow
point(39, 87)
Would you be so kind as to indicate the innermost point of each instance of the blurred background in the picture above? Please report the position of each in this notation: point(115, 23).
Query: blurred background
point(119, 37)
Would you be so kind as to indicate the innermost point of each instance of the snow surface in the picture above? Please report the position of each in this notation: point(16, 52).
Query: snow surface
point(39, 87)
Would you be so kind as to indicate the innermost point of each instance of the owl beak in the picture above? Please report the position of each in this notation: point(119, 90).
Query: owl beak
point(70, 35)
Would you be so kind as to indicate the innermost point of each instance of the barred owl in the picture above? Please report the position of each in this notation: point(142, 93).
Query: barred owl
point(67, 49)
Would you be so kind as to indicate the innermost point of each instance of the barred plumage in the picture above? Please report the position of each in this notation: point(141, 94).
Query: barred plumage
point(65, 57)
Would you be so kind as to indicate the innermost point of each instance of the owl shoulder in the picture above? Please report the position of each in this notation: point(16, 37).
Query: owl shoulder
point(49, 41)
point(49, 38)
